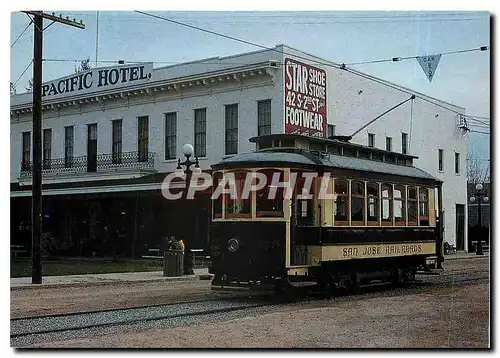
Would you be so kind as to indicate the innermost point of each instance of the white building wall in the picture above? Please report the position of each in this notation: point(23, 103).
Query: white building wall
point(244, 94)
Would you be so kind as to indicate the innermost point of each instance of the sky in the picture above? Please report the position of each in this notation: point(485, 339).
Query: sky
point(343, 37)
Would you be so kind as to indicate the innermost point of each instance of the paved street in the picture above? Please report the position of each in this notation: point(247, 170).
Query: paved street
point(428, 314)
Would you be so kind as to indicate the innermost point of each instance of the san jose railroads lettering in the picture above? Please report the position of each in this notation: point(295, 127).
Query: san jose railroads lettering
point(382, 250)
point(98, 79)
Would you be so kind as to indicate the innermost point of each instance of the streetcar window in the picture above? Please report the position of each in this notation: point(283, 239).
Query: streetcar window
point(217, 202)
point(333, 149)
point(341, 200)
point(424, 206)
point(349, 152)
point(399, 205)
point(238, 207)
point(387, 209)
point(267, 206)
point(288, 143)
point(373, 197)
point(304, 204)
point(265, 143)
point(412, 206)
point(357, 203)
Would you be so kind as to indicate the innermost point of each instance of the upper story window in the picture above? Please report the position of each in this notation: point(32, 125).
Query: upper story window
point(457, 163)
point(200, 132)
point(69, 142)
point(264, 117)
point(170, 135)
point(404, 143)
point(116, 150)
point(388, 144)
point(143, 138)
point(371, 140)
point(341, 202)
point(330, 130)
point(440, 159)
point(47, 148)
point(231, 129)
point(25, 160)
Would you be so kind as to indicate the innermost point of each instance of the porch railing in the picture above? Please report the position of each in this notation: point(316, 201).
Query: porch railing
point(97, 163)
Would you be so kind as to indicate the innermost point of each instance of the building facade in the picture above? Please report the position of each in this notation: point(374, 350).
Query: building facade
point(111, 135)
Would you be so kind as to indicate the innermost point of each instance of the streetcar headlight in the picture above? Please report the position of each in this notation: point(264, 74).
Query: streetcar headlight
point(233, 245)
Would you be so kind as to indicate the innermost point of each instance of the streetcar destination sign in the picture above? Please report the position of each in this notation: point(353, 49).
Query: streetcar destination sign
point(98, 79)
point(305, 99)
point(375, 250)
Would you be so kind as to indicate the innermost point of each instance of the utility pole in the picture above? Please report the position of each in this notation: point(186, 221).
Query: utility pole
point(36, 219)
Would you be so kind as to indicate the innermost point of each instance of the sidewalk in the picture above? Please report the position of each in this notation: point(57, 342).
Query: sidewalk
point(466, 255)
point(155, 276)
point(102, 279)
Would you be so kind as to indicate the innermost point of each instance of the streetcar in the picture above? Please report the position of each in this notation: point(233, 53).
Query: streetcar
point(343, 215)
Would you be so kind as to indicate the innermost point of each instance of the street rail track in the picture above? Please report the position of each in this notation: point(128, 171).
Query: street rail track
point(77, 323)
point(66, 323)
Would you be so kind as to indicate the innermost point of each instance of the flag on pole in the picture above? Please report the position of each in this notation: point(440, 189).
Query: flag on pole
point(429, 64)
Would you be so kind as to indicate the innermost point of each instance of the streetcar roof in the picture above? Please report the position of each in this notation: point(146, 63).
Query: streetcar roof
point(307, 159)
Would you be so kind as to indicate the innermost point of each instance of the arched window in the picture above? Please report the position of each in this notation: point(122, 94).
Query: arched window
point(412, 206)
point(373, 198)
point(399, 205)
point(357, 203)
point(387, 205)
point(423, 197)
point(341, 202)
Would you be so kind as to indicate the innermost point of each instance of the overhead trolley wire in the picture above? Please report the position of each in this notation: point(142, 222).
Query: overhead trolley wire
point(22, 74)
point(21, 34)
point(397, 59)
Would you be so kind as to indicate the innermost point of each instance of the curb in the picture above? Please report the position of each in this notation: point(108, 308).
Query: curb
point(113, 282)
point(466, 257)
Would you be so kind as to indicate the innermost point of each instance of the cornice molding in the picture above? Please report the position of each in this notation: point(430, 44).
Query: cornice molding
point(176, 85)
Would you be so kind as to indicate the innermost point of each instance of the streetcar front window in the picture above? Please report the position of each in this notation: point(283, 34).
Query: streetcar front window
point(269, 200)
point(237, 206)
point(217, 202)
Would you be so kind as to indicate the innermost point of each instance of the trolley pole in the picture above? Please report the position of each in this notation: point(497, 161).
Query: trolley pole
point(36, 225)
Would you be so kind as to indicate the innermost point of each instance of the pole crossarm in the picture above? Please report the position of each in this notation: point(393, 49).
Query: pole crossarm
point(53, 17)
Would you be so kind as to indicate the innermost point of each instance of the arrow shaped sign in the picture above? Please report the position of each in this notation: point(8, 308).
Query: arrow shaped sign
point(429, 64)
